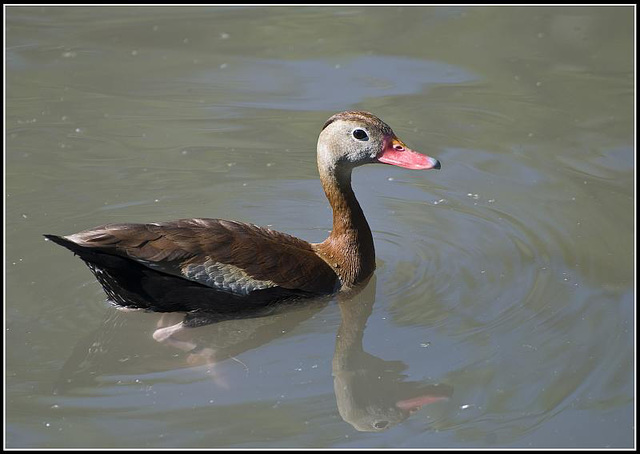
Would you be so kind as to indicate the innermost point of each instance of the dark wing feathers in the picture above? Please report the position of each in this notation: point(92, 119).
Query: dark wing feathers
point(261, 253)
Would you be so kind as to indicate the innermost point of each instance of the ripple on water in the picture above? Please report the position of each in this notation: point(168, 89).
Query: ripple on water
point(474, 258)
point(509, 283)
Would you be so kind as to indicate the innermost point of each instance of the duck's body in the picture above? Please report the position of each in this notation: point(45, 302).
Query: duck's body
point(246, 263)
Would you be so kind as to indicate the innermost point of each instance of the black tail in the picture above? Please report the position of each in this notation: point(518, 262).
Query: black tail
point(89, 254)
point(63, 242)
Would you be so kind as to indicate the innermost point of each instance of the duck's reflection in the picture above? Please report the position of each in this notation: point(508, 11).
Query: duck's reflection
point(371, 393)
point(125, 337)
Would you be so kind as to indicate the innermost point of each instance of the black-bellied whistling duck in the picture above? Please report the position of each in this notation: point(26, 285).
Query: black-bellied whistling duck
point(244, 263)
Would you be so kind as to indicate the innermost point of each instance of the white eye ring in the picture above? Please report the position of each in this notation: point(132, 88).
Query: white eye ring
point(360, 134)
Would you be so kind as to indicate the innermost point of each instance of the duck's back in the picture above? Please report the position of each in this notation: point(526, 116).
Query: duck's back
point(242, 261)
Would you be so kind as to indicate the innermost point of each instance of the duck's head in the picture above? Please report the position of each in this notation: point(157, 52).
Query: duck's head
point(353, 138)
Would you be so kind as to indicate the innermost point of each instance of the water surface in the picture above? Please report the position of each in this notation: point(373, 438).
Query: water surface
point(503, 301)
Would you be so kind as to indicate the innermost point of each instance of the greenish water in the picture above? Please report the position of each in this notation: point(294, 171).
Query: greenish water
point(505, 282)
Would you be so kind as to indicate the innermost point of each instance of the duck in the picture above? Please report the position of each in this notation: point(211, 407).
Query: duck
point(202, 263)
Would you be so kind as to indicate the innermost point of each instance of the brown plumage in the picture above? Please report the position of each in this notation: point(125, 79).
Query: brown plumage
point(263, 254)
point(239, 262)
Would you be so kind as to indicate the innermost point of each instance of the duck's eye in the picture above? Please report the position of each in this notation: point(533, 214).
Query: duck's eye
point(360, 134)
point(381, 425)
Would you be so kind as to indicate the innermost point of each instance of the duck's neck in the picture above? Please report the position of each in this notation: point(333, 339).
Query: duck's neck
point(349, 249)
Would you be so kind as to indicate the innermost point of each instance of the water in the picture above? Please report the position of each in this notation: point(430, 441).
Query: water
point(504, 296)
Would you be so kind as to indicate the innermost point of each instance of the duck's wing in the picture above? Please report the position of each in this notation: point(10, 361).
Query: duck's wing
point(226, 255)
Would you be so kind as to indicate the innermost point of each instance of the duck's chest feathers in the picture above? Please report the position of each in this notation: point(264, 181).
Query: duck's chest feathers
point(349, 260)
